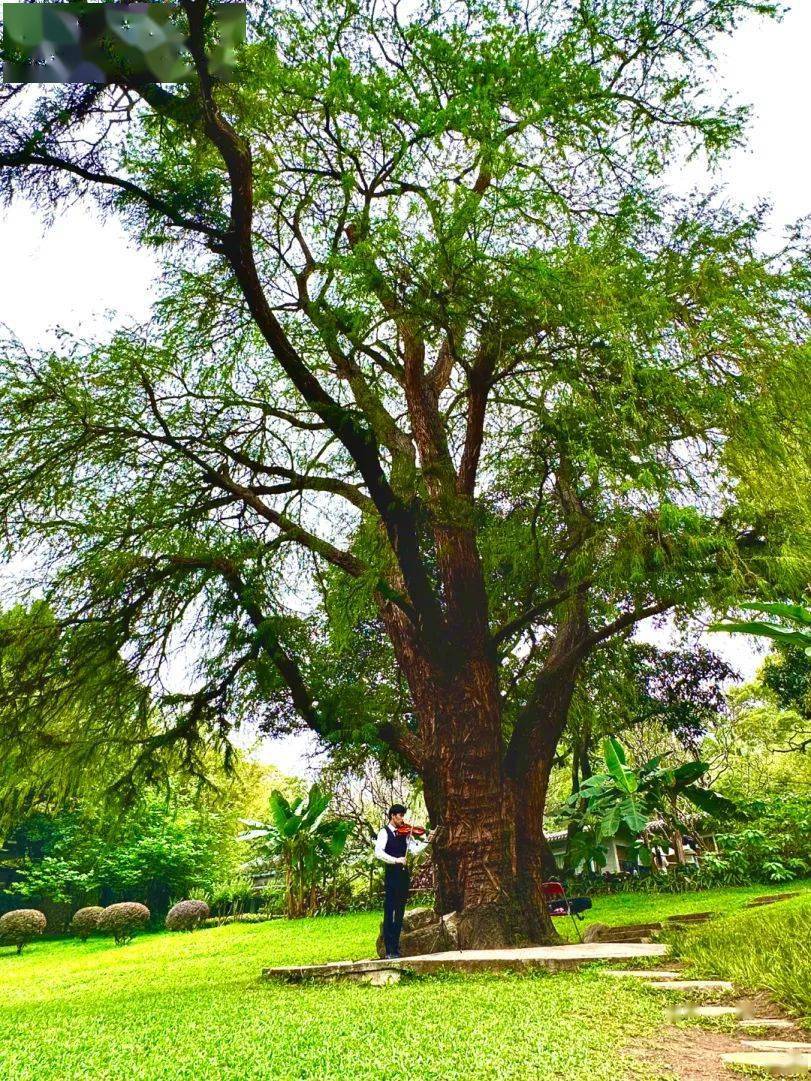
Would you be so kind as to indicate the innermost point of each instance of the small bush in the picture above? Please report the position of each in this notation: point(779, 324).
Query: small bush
point(19, 927)
point(123, 920)
point(85, 922)
point(186, 915)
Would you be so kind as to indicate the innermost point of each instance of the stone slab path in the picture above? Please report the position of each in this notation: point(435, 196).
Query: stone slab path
point(786, 1058)
point(766, 1022)
point(785, 1063)
point(642, 973)
point(552, 958)
point(778, 1045)
point(690, 985)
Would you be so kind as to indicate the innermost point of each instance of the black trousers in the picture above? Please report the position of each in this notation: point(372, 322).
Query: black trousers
point(397, 879)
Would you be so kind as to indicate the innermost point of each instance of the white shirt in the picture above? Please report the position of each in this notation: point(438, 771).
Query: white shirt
point(413, 844)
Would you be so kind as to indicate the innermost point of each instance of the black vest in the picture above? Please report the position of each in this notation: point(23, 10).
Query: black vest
point(395, 846)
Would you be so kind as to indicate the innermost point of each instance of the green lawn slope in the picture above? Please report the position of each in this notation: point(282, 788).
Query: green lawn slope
point(192, 1007)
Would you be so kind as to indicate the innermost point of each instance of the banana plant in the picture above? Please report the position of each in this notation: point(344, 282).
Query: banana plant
point(620, 795)
point(797, 633)
point(307, 841)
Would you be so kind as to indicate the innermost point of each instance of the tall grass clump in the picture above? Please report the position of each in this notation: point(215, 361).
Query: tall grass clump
point(759, 949)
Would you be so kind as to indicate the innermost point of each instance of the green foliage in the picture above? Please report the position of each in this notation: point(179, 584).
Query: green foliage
point(761, 950)
point(123, 921)
point(308, 843)
point(786, 673)
point(154, 851)
point(231, 895)
point(774, 845)
point(21, 926)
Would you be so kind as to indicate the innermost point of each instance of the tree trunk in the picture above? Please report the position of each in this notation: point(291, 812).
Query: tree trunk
point(535, 862)
point(471, 801)
point(490, 850)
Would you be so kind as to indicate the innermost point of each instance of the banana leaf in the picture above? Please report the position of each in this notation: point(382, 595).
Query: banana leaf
point(280, 810)
point(795, 612)
point(785, 635)
point(633, 813)
point(337, 836)
point(615, 761)
point(317, 802)
point(708, 801)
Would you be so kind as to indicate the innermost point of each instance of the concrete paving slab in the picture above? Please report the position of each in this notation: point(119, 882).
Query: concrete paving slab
point(643, 973)
point(679, 1013)
point(766, 1022)
point(785, 1065)
point(551, 958)
point(778, 1045)
point(692, 985)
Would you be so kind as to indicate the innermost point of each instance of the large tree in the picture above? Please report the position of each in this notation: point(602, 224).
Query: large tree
point(437, 359)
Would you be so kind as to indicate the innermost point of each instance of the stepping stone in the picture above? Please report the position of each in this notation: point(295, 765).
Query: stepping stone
point(690, 917)
point(642, 973)
point(632, 932)
point(777, 1045)
point(692, 985)
point(787, 1064)
point(680, 1012)
point(766, 1022)
point(770, 899)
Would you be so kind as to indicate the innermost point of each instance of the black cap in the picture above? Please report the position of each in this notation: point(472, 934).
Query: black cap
point(396, 809)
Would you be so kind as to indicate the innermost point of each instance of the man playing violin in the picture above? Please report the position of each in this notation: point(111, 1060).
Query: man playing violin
point(393, 842)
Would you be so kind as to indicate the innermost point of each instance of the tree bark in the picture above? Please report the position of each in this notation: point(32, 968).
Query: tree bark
point(473, 804)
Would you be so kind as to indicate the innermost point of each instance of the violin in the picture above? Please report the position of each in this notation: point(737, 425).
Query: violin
point(407, 830)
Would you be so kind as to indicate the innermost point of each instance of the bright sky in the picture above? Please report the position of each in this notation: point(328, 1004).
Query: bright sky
point(86, 277)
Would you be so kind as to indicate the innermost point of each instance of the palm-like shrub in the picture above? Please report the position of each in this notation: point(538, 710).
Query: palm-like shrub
point(186, 915)
point(123, 920)
point(620, 795)
point(21, 926)
point(86, 921)
point(307, 841)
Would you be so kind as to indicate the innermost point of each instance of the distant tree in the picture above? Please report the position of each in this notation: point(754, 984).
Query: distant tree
point(634, 687)
point(155, 851)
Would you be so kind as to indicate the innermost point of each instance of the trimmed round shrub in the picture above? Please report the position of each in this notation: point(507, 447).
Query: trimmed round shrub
point(123, 920)
point(21, 926)
point(186, 915)
point(85, 922)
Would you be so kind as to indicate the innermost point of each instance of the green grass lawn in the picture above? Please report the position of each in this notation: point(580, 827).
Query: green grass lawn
point(170, 1007)
point(620, 908)
point(767, 949)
